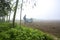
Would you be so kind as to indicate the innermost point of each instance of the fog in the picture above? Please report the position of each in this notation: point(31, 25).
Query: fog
point(44, 10)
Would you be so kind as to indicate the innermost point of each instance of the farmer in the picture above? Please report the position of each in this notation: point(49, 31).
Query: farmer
point(24, 18)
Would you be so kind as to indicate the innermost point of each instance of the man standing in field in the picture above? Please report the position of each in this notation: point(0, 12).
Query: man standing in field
point(24, 18)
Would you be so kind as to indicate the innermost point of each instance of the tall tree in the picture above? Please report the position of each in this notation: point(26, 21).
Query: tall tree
point(4, 8)
point(15, 13)
point(21, 12)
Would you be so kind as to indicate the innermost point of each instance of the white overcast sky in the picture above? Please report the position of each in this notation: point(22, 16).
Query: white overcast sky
point(44, 10)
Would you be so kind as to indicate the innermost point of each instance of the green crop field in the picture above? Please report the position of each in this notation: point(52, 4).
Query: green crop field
point(22, 33)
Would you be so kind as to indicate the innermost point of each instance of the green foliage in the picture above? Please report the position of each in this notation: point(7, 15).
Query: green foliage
point(4, 7)
point(22, 33)
point(5, 26)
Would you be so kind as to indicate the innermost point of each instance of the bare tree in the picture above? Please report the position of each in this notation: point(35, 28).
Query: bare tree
point(21, 12)
point(34, 4)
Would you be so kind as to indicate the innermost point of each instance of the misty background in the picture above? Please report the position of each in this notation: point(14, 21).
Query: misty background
point(44, 10)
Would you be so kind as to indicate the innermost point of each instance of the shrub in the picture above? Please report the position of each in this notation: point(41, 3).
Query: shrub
point(23, 33)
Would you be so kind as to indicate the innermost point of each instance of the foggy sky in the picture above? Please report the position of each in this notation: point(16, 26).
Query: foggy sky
point(44, 10)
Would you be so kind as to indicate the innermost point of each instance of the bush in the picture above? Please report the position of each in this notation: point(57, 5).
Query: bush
point(5, 26)
point(24, 33)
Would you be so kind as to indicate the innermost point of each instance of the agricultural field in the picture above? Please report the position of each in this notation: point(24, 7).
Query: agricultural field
point(51, 27)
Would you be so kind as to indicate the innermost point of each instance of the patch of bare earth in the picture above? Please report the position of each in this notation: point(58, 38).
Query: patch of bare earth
point(48, 27)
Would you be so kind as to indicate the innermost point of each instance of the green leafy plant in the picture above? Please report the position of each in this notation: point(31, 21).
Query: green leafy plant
point(22, 33)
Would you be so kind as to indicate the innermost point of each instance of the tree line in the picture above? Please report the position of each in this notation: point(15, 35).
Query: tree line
point(6, 7)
